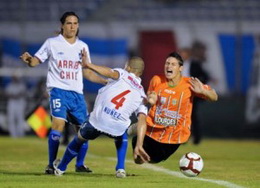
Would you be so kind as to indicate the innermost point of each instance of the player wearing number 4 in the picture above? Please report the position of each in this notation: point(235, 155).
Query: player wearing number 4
point(169, 118)
point(115, 102)
point(65, 84)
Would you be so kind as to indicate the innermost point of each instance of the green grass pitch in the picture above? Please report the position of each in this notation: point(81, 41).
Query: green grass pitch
point(227, 163)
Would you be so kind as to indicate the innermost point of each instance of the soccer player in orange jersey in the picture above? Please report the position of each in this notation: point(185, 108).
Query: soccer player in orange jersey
point(169, 118)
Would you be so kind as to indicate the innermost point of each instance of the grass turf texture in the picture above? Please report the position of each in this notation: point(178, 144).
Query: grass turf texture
point(22, 163)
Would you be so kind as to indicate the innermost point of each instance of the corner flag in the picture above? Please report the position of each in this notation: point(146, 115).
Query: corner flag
point(40, 121)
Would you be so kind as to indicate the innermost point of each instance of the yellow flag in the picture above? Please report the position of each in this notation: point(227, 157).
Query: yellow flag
point(40, 121)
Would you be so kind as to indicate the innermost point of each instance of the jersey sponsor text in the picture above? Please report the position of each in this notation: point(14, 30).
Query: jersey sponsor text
point(68, 75)
point(165, 121)
point(134, 83)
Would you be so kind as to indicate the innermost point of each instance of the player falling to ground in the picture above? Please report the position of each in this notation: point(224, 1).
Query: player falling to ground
point(169, 118)
point(115, 102)
point(64, 83)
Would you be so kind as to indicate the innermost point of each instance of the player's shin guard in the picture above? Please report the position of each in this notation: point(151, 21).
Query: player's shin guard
point(82, 154)
point(121, 148)
point(72, 151)
point(53, 145)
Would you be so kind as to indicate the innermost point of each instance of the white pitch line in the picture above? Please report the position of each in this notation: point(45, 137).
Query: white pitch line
point(180, 175)
point(176, 174)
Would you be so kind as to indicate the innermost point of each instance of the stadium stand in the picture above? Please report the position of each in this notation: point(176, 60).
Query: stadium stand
point(131, 10)
point(38, 10)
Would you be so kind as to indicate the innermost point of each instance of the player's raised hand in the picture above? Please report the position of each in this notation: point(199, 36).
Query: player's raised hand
point(26, 58)
point(196, 85)
point(85, 59)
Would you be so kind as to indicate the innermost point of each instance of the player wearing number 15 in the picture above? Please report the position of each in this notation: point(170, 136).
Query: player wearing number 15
point(64, 83)
point(115, 103)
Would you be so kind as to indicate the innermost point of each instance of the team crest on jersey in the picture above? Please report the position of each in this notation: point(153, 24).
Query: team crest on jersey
point(163, 100)
point(80, 56)
point(174, 101)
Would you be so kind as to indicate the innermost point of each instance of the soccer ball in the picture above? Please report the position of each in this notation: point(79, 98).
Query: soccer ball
point(191, 164)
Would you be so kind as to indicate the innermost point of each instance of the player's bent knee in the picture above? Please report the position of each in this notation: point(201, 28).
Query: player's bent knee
point(81, 137)
point(58, 124)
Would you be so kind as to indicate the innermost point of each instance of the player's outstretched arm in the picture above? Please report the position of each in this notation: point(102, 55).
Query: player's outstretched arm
point(140, 156)
point(29, 60)
point(102, 70)
point(198, 88)
point(93, 77)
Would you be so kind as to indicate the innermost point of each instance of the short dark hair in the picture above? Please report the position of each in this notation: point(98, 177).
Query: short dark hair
point(177, 56)
point(64, 16)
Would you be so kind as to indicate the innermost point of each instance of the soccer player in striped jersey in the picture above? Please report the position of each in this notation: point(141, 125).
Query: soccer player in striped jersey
point(115, 103)
point(65, 83)
point(169, 118)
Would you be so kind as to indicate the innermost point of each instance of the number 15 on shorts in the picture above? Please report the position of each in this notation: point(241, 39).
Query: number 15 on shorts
point(56, 103)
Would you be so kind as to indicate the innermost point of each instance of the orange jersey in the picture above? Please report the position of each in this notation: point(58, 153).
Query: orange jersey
point(169, 120)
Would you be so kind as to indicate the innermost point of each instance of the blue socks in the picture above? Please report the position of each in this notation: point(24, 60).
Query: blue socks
point(82, 154)
point(75, 146)
point(72, 151)
point(121, 149)
point(79, 148)
point(53, 145)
